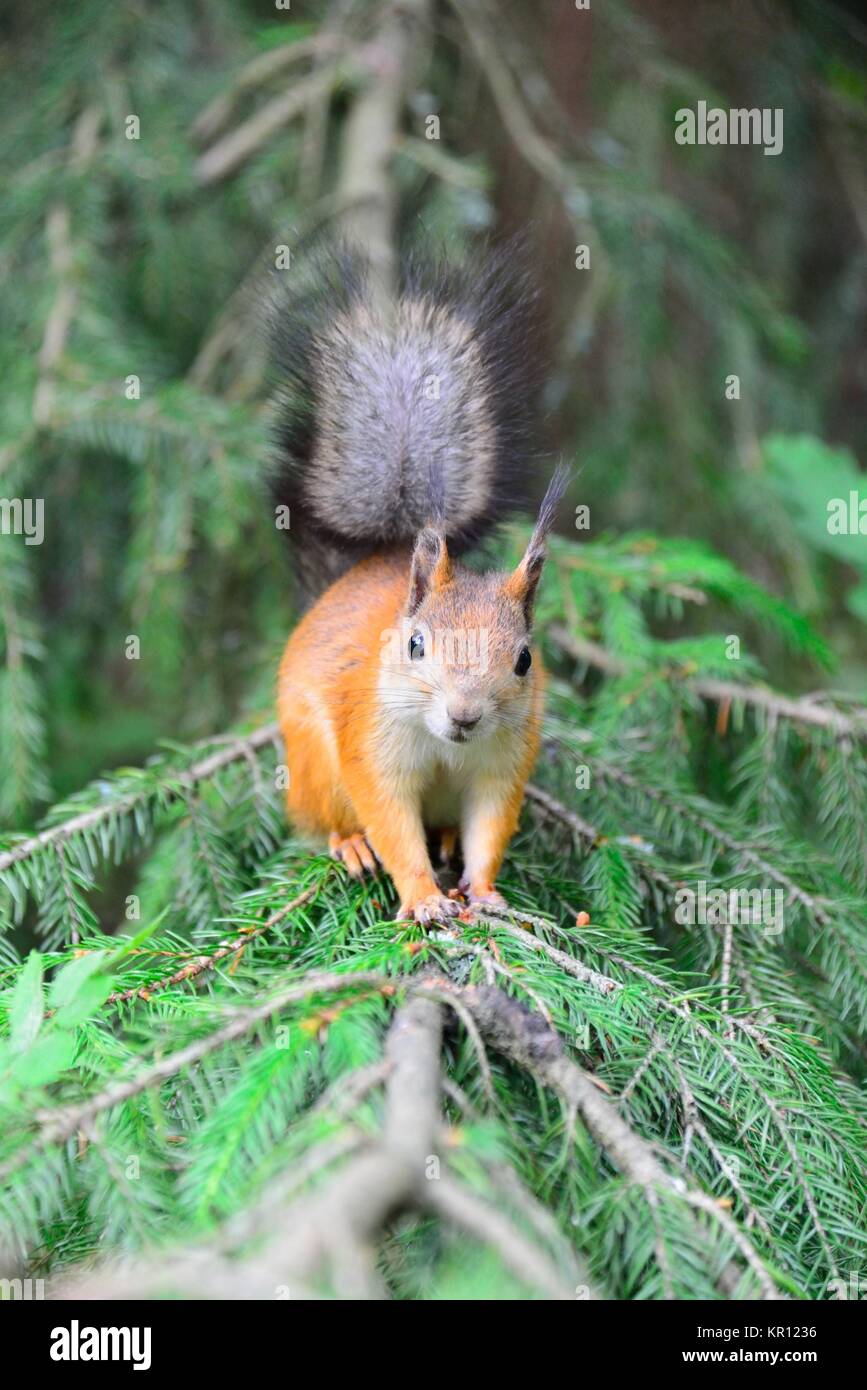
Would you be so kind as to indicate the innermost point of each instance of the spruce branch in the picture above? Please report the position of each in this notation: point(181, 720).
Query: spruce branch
point(527, 1040)
point(691, 809)
point(214, 117)
point(230, 151)
point(670, 1003)
point(456, 1203)
point(171, 783)
point(805, 711)
point(229, 947)
point(57, 1125)
point(58, 234)
point(327, 1239)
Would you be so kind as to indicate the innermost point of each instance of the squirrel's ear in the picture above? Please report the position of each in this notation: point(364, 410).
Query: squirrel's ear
point(431, 566)
point(523, 583)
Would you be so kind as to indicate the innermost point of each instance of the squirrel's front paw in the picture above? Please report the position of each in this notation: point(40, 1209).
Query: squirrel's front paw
point(434, 908)
point(481, 894)
point(354, 851)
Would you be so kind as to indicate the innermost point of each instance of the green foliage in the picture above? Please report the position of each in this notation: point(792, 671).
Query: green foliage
point(814, 483)
point(157, 523)
point(162, 1071)
point(733, 1046)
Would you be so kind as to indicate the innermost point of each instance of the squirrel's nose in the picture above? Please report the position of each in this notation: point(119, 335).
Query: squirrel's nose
point(465, 716)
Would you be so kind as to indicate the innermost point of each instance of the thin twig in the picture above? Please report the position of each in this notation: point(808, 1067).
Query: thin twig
point(61, 260)
point(539, 153)
point(458, 1204)
point(528, 1041)
point(803, 711)
point(230, 947)
point(234, 149)
point(215, 116)
point(184, 780)
point(58, 1125)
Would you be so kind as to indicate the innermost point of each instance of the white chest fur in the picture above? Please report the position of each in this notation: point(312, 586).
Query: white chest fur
point(438, 773)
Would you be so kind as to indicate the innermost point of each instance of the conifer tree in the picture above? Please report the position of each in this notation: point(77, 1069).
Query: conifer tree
point(225, 1069)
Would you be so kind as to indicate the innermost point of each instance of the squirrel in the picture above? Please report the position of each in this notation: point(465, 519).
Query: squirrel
point(410, 693)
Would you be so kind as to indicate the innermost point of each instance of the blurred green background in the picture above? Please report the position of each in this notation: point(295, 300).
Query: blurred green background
point(152, 258)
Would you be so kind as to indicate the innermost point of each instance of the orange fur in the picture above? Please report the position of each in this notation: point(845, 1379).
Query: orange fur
point(360, 722)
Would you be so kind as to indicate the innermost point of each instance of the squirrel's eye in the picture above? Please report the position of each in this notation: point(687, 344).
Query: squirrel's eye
point(416, 647)
point(522, 665)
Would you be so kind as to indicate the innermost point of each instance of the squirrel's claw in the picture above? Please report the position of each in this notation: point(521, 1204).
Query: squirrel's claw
point(354, 852)
point(435, 908)
point(481, 896)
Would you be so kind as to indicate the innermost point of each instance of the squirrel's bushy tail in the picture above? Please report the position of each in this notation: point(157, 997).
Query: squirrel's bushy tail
point(393, 417)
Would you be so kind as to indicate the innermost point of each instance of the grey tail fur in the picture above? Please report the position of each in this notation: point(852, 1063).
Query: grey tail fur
point(390, 420)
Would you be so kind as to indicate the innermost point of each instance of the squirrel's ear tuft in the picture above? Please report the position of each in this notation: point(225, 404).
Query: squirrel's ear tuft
point(431, 566)
point(523, 583)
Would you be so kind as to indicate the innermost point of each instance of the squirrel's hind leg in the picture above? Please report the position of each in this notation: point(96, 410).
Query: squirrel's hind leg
point(448, 843)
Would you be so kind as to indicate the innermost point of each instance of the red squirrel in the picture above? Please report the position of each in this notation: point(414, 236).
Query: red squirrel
point(410, 693)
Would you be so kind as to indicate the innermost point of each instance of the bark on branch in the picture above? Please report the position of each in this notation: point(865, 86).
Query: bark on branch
point(776, 706)
point(237, 748)
point(365, 185)
point(326, 1242)
point(528, 1041)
